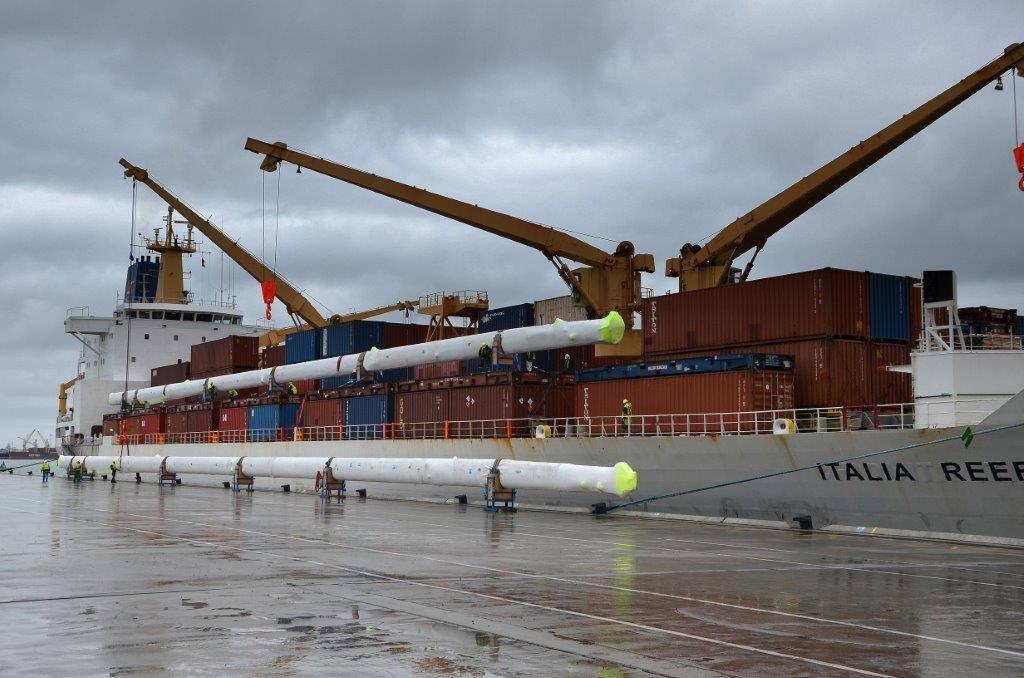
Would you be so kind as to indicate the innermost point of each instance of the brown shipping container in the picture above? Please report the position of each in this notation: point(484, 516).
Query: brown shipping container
point(420, 414)
point(546, 311)
point(169, 374)
point(145, 424)
point(232, 353)
point(824, 303)
point(402, 334)
point(828, 372)
point(200, 421)
point(177, 422)
point(891, 387)
point(329, 412)
point(273, 356)
point(233, 418)
point(452, 368)
point(111, 426)
point(505, 401)
point(717, 392)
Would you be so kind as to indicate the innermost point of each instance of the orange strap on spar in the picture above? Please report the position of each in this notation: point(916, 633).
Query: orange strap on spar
point(269, 294)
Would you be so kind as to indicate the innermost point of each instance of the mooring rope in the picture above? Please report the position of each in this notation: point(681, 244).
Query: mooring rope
point(602, 508)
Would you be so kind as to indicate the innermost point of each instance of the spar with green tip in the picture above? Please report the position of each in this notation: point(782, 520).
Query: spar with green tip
point(558, 335)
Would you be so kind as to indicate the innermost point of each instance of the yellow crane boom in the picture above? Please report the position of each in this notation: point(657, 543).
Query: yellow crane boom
point(275, 337)
point(610, 281)
point(62, 394)
point(709, 266)
point(293, 300)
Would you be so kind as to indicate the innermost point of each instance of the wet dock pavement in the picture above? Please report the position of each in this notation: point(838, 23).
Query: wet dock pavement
point(121, 579)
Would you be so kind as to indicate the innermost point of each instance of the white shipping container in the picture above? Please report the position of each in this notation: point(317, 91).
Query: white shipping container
point(546, 311)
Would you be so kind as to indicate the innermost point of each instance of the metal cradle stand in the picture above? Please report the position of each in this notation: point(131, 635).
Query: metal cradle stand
point(330, 484)
point(166, 476)
point(497, 497)
point(240, 479)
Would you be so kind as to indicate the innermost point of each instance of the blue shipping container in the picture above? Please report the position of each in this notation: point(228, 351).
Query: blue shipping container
point(300, 347)
point(365, 416)
point(543, 362)
point(718, 363)
point(265, 420)
point(889, 297)
point(351, 337)
point(506, 318)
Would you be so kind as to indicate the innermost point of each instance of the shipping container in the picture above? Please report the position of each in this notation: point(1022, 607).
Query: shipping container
point(420, 414)
point(506, 401)
point(719, 393)
point(987, 314)
point(145, 424)
point(402, 334)
point(715, 363)
point(350, 338)
point(274, 356)
point(823, 303)
point(366, 416)
point(890, 307)
point(176, 423)
point(541, 362)
point(201, 420)
point(234, 354)
point(321, 413)
point(272, 422)
point(111, 425)
point(891, 387)
point(300, 347)
point(828, 372)
point(169, 374)
point(546, 311)
point(506, 318)
point(233, 423)
point(451, 368)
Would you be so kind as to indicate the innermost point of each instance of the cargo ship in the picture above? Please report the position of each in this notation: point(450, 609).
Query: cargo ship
point(827, 399)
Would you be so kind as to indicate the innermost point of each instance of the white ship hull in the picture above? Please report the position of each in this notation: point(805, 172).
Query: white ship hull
point(938, 487)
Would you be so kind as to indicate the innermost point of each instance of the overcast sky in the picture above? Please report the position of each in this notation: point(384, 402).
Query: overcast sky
point(653, 122)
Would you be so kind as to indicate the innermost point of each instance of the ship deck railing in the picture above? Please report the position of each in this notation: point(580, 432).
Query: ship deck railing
point(766, 422)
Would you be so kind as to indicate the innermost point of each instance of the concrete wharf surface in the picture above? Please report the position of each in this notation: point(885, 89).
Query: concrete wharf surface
point(102, 579)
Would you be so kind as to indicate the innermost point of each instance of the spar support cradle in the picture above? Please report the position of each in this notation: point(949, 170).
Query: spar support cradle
point(497, 497)
point(164, 475)
point(331, 484)
point(239, 478)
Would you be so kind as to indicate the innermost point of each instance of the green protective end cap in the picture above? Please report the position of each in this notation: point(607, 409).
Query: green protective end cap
point(625, 478)
point(612, 328)
point(372, 349)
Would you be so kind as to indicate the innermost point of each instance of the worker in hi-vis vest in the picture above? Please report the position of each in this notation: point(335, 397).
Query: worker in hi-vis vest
point(113, 470)
point(627, 415)
point(76, 470)
point(485, 357)
point(45, 470)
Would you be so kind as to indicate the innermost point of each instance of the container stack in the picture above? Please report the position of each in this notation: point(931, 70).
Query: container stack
point(224, 356)
point(170, 374)
point(843, 329)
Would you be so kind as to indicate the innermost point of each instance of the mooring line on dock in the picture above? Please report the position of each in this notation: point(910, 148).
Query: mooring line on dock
point(564, 580)
point(604, 508)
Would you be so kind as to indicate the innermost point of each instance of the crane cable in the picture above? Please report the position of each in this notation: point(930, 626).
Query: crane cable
point(128, 313)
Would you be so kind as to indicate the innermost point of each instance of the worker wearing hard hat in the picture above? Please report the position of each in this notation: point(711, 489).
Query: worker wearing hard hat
point(485, 357)
point(567, 363)
point(76, 470)
point(113, 470)
point(627, 415)
point(45, 470)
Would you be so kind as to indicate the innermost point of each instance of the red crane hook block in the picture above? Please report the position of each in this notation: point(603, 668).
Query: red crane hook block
point(1018, 155)
point(269, 294)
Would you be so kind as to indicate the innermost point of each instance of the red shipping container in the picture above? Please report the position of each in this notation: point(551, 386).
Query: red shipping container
point(273, 356)
point(697, 393)
point(329, 412)
point(233, 424)
point(177, 422)
point(452, 368)
point(145, 424)
point(169, 374)
point(891, 387)
point(233, 353)
point(824, 303)
point(402, 334)
point(201, 420)
point(421, 414)
point(503, 401)
point(111, 425)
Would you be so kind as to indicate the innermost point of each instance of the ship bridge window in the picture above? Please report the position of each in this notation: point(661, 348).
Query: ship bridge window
point(145, 336)
point(188, 316)
point(172, 315)
point(158, 315)
point(131, 314)
point(144, 314)
point(203, 317)
point(236, 321)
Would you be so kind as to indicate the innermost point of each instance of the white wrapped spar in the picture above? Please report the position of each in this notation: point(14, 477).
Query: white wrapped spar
point(608, 330)
point(515, 475)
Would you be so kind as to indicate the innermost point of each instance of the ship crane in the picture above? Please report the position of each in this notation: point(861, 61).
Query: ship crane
point(607, 281)
point(700, 267)
point(295, 302)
